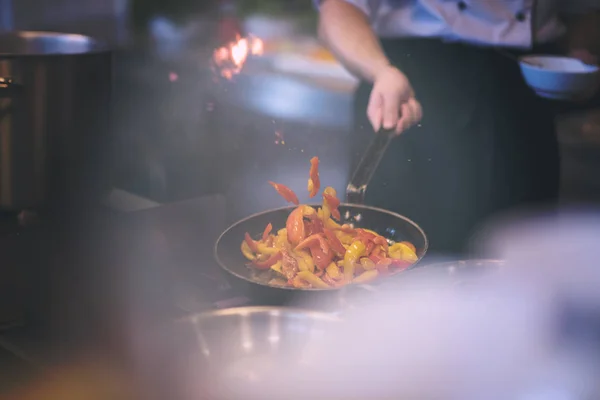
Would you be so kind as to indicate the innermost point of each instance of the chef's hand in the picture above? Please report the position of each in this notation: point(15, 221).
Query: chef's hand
point(392, 104)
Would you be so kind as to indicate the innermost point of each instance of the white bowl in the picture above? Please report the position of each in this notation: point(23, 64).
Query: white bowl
point(560, 78)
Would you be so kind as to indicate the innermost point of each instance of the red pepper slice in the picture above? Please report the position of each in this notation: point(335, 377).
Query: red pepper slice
point(376, 255)
point(314, 181)
point(335, 213)
point(268, 263)
point(400, 265)
point(321, 258)
point(251, 243)
point(380, 240)
point(383, 265)
point(313, 225)
point(334, 242)
point(312, 241)
point(333, 203)
point(266, 232)
point(296, 229)
point(369, 247)
point(319, 249)
point(285, 192)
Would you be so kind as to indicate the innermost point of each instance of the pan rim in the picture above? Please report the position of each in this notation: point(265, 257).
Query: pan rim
point(360, 206)
point(252, 310)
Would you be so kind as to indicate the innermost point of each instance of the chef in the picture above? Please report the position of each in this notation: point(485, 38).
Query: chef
point(478, 141)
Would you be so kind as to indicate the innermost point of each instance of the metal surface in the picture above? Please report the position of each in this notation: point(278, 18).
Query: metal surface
point(223, 352)
point(357, 188)
point(54, 114)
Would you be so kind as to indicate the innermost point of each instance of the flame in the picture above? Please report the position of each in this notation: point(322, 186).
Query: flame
point(230, 59)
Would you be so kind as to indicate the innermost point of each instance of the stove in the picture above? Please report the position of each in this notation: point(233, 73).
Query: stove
point(160, 267)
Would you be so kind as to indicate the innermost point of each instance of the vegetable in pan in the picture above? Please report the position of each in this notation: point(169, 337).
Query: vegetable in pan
point(315, 251)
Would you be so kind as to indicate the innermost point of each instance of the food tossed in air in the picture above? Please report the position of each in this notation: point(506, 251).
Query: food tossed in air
point(315, 251)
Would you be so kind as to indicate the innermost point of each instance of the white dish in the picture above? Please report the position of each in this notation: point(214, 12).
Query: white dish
point(560, 78)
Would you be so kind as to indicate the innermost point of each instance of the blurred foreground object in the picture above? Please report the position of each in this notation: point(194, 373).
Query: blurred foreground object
point(81, 381)
point(528, 332)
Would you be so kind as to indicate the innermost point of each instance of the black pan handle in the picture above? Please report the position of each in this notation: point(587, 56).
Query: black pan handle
point(356, 189)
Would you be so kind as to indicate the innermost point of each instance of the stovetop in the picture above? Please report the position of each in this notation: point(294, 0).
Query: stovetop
point(156, 264)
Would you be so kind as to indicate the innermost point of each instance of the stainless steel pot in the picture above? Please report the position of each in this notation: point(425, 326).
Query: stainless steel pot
point(225, 353)
point(54, 118)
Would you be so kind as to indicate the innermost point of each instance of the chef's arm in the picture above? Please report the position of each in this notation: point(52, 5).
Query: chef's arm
point(345, 29)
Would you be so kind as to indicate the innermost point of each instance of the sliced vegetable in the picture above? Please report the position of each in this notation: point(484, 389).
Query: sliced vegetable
point(314, 182)
point(400, 251)
point(367, 276)
point(367, 263)
point(353, 254)
point(269, 262)
point(305, 261)
point(285, 192)
point(313, 250)
point(333, 204)
point(313, 225)
point(267, 231)
point(314, 280)
point(335, 243)
point(296, 231)
point(277, 267)
point(247, 252)
point(412, 246)
point(264, 249)
point(400, 265)
point(251, 243)
point(334, 271)
point(383, 265)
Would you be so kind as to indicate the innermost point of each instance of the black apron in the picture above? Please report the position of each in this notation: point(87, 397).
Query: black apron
point(486, 143)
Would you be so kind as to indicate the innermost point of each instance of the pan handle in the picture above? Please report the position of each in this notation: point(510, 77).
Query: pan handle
point(356, 189)
point(8, 90)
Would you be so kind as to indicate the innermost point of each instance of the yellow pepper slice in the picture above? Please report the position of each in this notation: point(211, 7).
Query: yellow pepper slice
point(326, 211)
point(367, 263)
point(366, 276)
point(331, 224)
point(345, 238)
point(277, 267)
point(264, 249)
point(312, 279)
point(400, 251)
point(247, 252)
point(281, 241)
point(333, 271)
point(353, 253)
point(299, 283)
point(305, 261)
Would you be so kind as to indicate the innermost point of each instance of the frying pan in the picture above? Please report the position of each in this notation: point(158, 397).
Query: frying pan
point(389, 224)
point(227, 249)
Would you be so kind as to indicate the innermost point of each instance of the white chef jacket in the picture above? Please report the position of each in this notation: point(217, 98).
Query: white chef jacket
point(509, 23)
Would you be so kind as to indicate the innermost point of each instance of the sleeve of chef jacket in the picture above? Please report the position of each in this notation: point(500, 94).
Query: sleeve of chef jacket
point(365, 6)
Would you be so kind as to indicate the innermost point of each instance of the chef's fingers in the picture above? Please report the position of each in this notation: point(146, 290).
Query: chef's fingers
point(375, 110)
point(391, 110)
point(411, 114)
